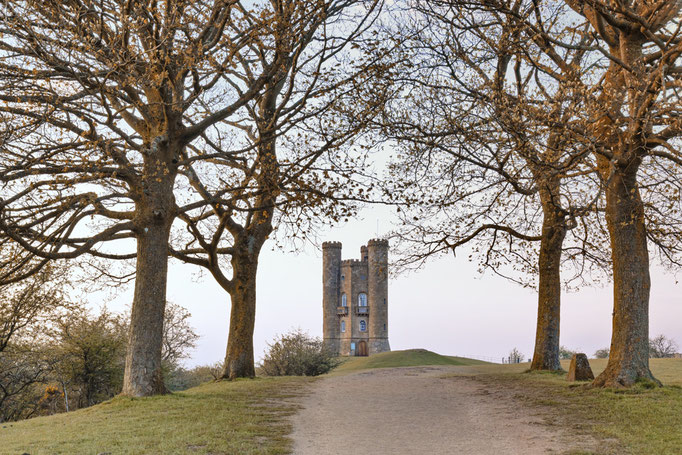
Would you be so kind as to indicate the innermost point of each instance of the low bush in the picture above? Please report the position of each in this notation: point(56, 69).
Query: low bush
point(297, 354)
point(565, 353)
point(180, 378)
point(602, 353)
point(662, 347)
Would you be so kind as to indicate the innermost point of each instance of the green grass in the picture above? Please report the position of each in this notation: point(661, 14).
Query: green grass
point(668, 371)
point(238, 417)
point(408, 358)
point(249, 416)
point(637, 421)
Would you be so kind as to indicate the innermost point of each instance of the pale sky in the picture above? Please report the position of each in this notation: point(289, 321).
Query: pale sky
point(447, 307)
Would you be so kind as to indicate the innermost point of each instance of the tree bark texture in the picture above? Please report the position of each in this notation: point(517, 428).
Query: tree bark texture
point(239, 361)
point(247, 246)
point(629, 354)
point(546, 354)
point(250, 239)
point(155, 212)
point(143, 358)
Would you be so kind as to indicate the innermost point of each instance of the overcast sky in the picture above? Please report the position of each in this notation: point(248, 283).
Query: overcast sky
point(447, 307)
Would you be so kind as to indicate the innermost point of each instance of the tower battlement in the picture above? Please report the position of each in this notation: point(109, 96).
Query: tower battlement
point(363, 253)
point(355, 299)
point(352, 262)
point(378, 242)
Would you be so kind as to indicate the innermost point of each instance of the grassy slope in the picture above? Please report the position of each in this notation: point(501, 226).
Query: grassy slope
point(638, 421)
point(249, 417)
point(239, 417)
point(408, 358)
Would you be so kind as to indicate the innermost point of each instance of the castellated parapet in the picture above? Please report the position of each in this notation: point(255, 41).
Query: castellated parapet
point(352, 262)
point(355, 299)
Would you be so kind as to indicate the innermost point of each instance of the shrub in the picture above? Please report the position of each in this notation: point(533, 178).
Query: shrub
point(297, 354)
point(180, 378)
point(565, 353)
point(602, 353)
point(24, 368)
point(515, 356)
point(91, 349)
point(662, 347)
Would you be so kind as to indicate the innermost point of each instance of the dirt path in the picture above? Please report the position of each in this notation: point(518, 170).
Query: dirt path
point(418, 411)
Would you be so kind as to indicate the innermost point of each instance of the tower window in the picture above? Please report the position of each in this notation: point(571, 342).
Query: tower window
point(362, 299)
point(363, 326)
point(343, 326)
point(384, 301)
point(384, 327)
point(343, 277)
point(344, 301)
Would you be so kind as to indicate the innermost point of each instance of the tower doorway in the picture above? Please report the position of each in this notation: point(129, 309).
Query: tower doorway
point(362, 349)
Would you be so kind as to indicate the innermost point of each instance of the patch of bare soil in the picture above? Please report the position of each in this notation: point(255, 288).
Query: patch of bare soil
point(419, 411)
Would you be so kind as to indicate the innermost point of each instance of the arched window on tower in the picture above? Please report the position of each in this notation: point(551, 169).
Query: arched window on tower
point(362, 299)
point(344, 301)
point(343, 326)
point(363, 326)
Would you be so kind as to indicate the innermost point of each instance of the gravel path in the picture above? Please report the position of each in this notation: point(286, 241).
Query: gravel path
point(417, 411)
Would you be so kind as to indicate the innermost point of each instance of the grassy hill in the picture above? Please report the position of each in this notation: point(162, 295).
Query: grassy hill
point(668, 371)
point(407, 358)
point(642, 420)
point(238, 417)
point(250, 416)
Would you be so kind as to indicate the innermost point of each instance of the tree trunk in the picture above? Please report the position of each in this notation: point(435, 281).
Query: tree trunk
point(546, 355)
point(629, 355)
point(143, 359)
point(239, 361)
point(248, 243)
point(155, 212)
point(66, 397)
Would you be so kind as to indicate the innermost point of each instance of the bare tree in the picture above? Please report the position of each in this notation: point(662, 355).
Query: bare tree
point(633, 114)
point(25, 307)
point(178, 335)
point(30, 302)
point(486, 157)
point(290, 165)
point(100, 104)
point(629, 118)
point(662, 347)
point(23, 367)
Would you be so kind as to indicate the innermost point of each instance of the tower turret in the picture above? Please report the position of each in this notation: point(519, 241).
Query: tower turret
point(331, 276)
point(377, 287)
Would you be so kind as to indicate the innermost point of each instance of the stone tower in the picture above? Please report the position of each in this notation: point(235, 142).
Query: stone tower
point(331, 276)
point(355, 299)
